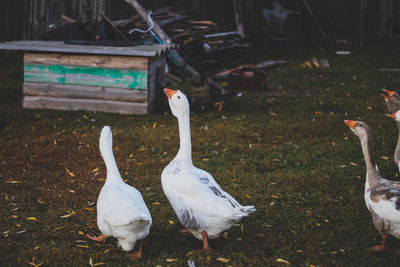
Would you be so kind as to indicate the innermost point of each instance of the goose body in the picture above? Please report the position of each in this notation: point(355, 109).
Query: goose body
point(382, 196)
point(200, 204)
point(392, 100)
point(121, 210)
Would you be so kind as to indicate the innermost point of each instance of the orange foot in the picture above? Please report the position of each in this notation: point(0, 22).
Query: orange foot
point(184, 231)
point(205, 242)
point(378, 248)
point(100, 238)
point(137, 254)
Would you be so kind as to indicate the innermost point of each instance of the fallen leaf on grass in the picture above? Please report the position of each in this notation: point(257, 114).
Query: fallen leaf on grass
point(81, 233)
point(107, 250)
point(171, 221)
point(57, 228)
point(154, 125)
point(82, 246)
point(40, 201)
point(171, 260)
point(70, 173)
point(13, 182)
point(66, 215)
point(384, 157)
point(156, 203)
point(95, 170)
point(282, 261)
point(275, 196)
point(99, 263)
point(22, 231)
point(353, 164)
point(223, 260)
point(14, 216)
point(90, 261)
point(31, 218)
point(88, 209)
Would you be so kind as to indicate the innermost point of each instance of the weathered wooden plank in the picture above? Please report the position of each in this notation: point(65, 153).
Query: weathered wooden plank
point(87, 92)
point(122, 78)
point(134, 63)
point(61, 47)
point(41, 102)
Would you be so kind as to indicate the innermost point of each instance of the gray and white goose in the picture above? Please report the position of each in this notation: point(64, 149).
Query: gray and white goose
point(200, 204)
point(392, 100)
point(382, 197)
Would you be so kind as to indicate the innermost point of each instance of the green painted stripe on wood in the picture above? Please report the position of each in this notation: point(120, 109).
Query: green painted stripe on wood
point(80, 75)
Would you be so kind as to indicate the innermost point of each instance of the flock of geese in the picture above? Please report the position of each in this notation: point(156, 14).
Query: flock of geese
point(203, 207)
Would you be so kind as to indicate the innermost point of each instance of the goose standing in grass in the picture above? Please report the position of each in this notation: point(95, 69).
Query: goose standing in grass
point(121, 211)
point(382, 196)
point(202, 207)
point(392, 100)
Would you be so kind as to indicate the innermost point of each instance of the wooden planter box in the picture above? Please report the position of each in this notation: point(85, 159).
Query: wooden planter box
point(123, 80)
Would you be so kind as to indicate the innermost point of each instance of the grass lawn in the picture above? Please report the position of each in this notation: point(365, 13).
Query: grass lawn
point(286, 150)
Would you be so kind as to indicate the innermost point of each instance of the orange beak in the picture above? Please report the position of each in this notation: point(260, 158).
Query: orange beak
point(389, 94)
point(169, 92)
point(392, 115)
point(350, 123)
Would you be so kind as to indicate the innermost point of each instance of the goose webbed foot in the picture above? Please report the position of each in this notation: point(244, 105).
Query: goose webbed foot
point(100, 238)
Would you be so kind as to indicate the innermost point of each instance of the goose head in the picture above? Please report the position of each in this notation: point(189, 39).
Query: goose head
point(360, 128)
point(395, 115)
point(178, 102)
point(392, 100)
point(105, 142)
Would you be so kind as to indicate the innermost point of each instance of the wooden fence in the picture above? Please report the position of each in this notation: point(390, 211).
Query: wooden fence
point(355, 20)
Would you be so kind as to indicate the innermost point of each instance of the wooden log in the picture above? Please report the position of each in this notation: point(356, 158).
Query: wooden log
point(82, 75)
point(113, 26)
point(118, 62)
point(224, 75)
point(85, 92)
point(41, 102)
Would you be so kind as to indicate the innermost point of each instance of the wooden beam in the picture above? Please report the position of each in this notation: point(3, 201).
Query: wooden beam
point(237, 5)
point(41, 102)
point(82, 75)
point(118, 62)
point(86, 92)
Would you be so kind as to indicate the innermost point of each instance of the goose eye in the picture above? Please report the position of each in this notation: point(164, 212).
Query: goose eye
point(179, 97)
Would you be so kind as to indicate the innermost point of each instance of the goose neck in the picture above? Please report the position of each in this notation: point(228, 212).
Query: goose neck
point(366, 144)
point(185, 147)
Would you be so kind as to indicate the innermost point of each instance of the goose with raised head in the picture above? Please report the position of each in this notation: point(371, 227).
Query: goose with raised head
point(392, 100)
point(202, 207)
point(121, 211)
point(382, 197)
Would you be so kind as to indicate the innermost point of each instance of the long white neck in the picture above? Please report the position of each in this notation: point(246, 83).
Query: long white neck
point(372, 173)
point(185, 148)
point(397, 151)
point(112, 169)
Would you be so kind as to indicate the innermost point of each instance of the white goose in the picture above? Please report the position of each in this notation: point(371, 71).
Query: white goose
point(392, 100)
point(202, 207)
point(382, 196)
point(121, 211)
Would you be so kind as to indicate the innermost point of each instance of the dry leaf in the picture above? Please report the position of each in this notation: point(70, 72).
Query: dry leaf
point(31, 218)
point(353, 164)
point(90, 261)
point(81, 233)
point(95, 169)
point(66, 215)
point(384, 157)
point(107, 250)
point(40, 201)
point(83, 246)
point(14, 216)
point(156, 203)
point(249, 197)
point(223, 260)
point(275, 196)
point(205, 159)
point(282, 261)
point(39, 264)
point(22, 231)
point(88, 209)
point(154, 125)
point(70, 173)
point(171, 260)
point(171, 221)
point(99, 263)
